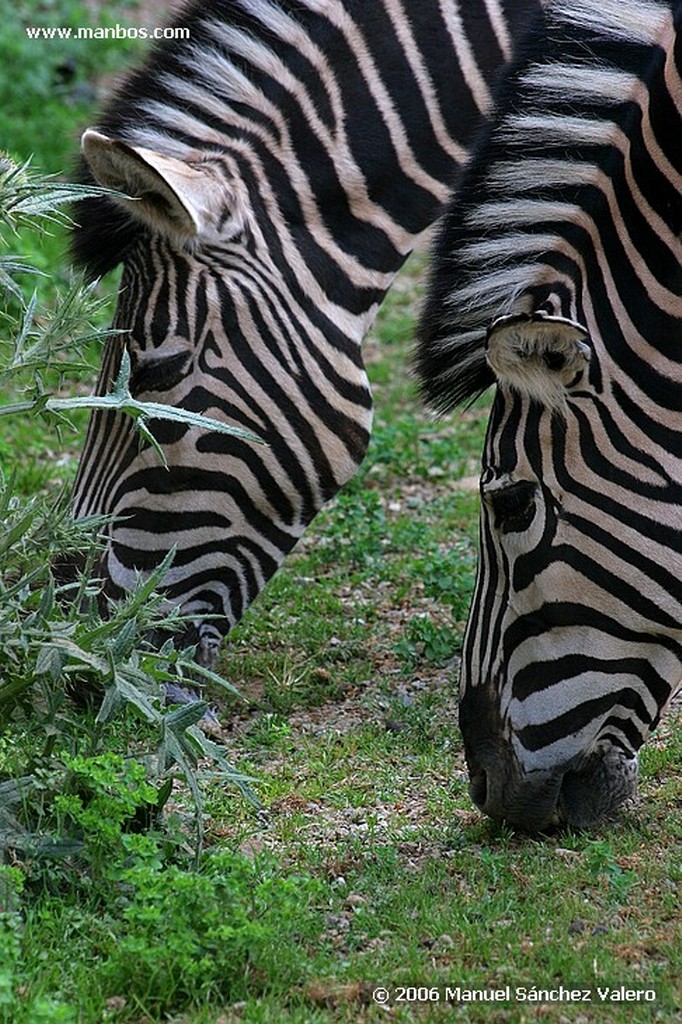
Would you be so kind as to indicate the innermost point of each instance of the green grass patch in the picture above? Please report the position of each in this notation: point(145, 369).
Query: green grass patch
point(48, 97)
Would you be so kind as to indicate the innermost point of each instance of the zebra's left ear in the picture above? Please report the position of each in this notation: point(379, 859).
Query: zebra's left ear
point(178, 199)
point(538, 355)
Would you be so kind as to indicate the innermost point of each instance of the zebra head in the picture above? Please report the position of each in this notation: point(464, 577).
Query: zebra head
point(573, 644)
point(280, 161)
point(559, 282)
point(220, 315)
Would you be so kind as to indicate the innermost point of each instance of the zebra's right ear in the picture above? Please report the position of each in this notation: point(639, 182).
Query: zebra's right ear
point(178, 199)
point(538, 355)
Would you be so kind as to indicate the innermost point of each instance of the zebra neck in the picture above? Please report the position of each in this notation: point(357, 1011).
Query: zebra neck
point(345, 120)
point(544, 218)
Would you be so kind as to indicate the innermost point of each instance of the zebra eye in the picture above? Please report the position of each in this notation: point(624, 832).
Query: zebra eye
point(513, 506)
point(156, 372)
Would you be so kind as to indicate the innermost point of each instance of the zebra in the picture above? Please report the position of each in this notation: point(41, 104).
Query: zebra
point(557, 277)
point(282, 162)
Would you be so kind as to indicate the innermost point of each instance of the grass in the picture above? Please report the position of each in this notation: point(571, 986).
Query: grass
point(48, 97)
point(46, 100)
point(367, 865)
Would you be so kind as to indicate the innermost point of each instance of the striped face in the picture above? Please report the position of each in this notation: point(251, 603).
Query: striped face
point(280, 160)
point(573, 644)
point(221, 327)
point(564, 244)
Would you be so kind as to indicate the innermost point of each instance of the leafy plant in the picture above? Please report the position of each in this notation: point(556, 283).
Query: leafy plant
point(54, 641)
point(101, 802)
point(448, 576)
point(209, 934)
point(603, 863)
point(424, 640)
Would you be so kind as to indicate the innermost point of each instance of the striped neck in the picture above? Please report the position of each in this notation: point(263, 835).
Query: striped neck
point(341, 124)
point(545, 214)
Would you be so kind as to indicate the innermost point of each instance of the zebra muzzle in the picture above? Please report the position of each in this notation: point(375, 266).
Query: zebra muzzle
point(595, 792)
point(538, 801)
point(529, 803)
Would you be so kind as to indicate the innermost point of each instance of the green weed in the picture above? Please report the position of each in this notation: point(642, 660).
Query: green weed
point(426, 641)
point(52, 82)
point(448, 576)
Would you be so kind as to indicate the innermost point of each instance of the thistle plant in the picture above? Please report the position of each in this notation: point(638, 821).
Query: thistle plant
point(54, 643)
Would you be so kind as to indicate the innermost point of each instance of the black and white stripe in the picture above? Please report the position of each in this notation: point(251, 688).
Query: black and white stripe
point(558, 276)
point(286, 156)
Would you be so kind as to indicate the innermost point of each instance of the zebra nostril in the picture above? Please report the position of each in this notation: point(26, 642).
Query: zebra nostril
point(478, 788)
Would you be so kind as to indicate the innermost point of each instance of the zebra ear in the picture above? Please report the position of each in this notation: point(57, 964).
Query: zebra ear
point(538, 355)
point(171, 196)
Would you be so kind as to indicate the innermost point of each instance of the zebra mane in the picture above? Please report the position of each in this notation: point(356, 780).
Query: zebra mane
point(174, 101)
point(562, 111)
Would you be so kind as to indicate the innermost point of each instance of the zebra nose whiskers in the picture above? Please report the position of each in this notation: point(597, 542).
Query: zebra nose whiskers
point(526, 802)
point(508, 784)
point(598, 787)
point(577, 794)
